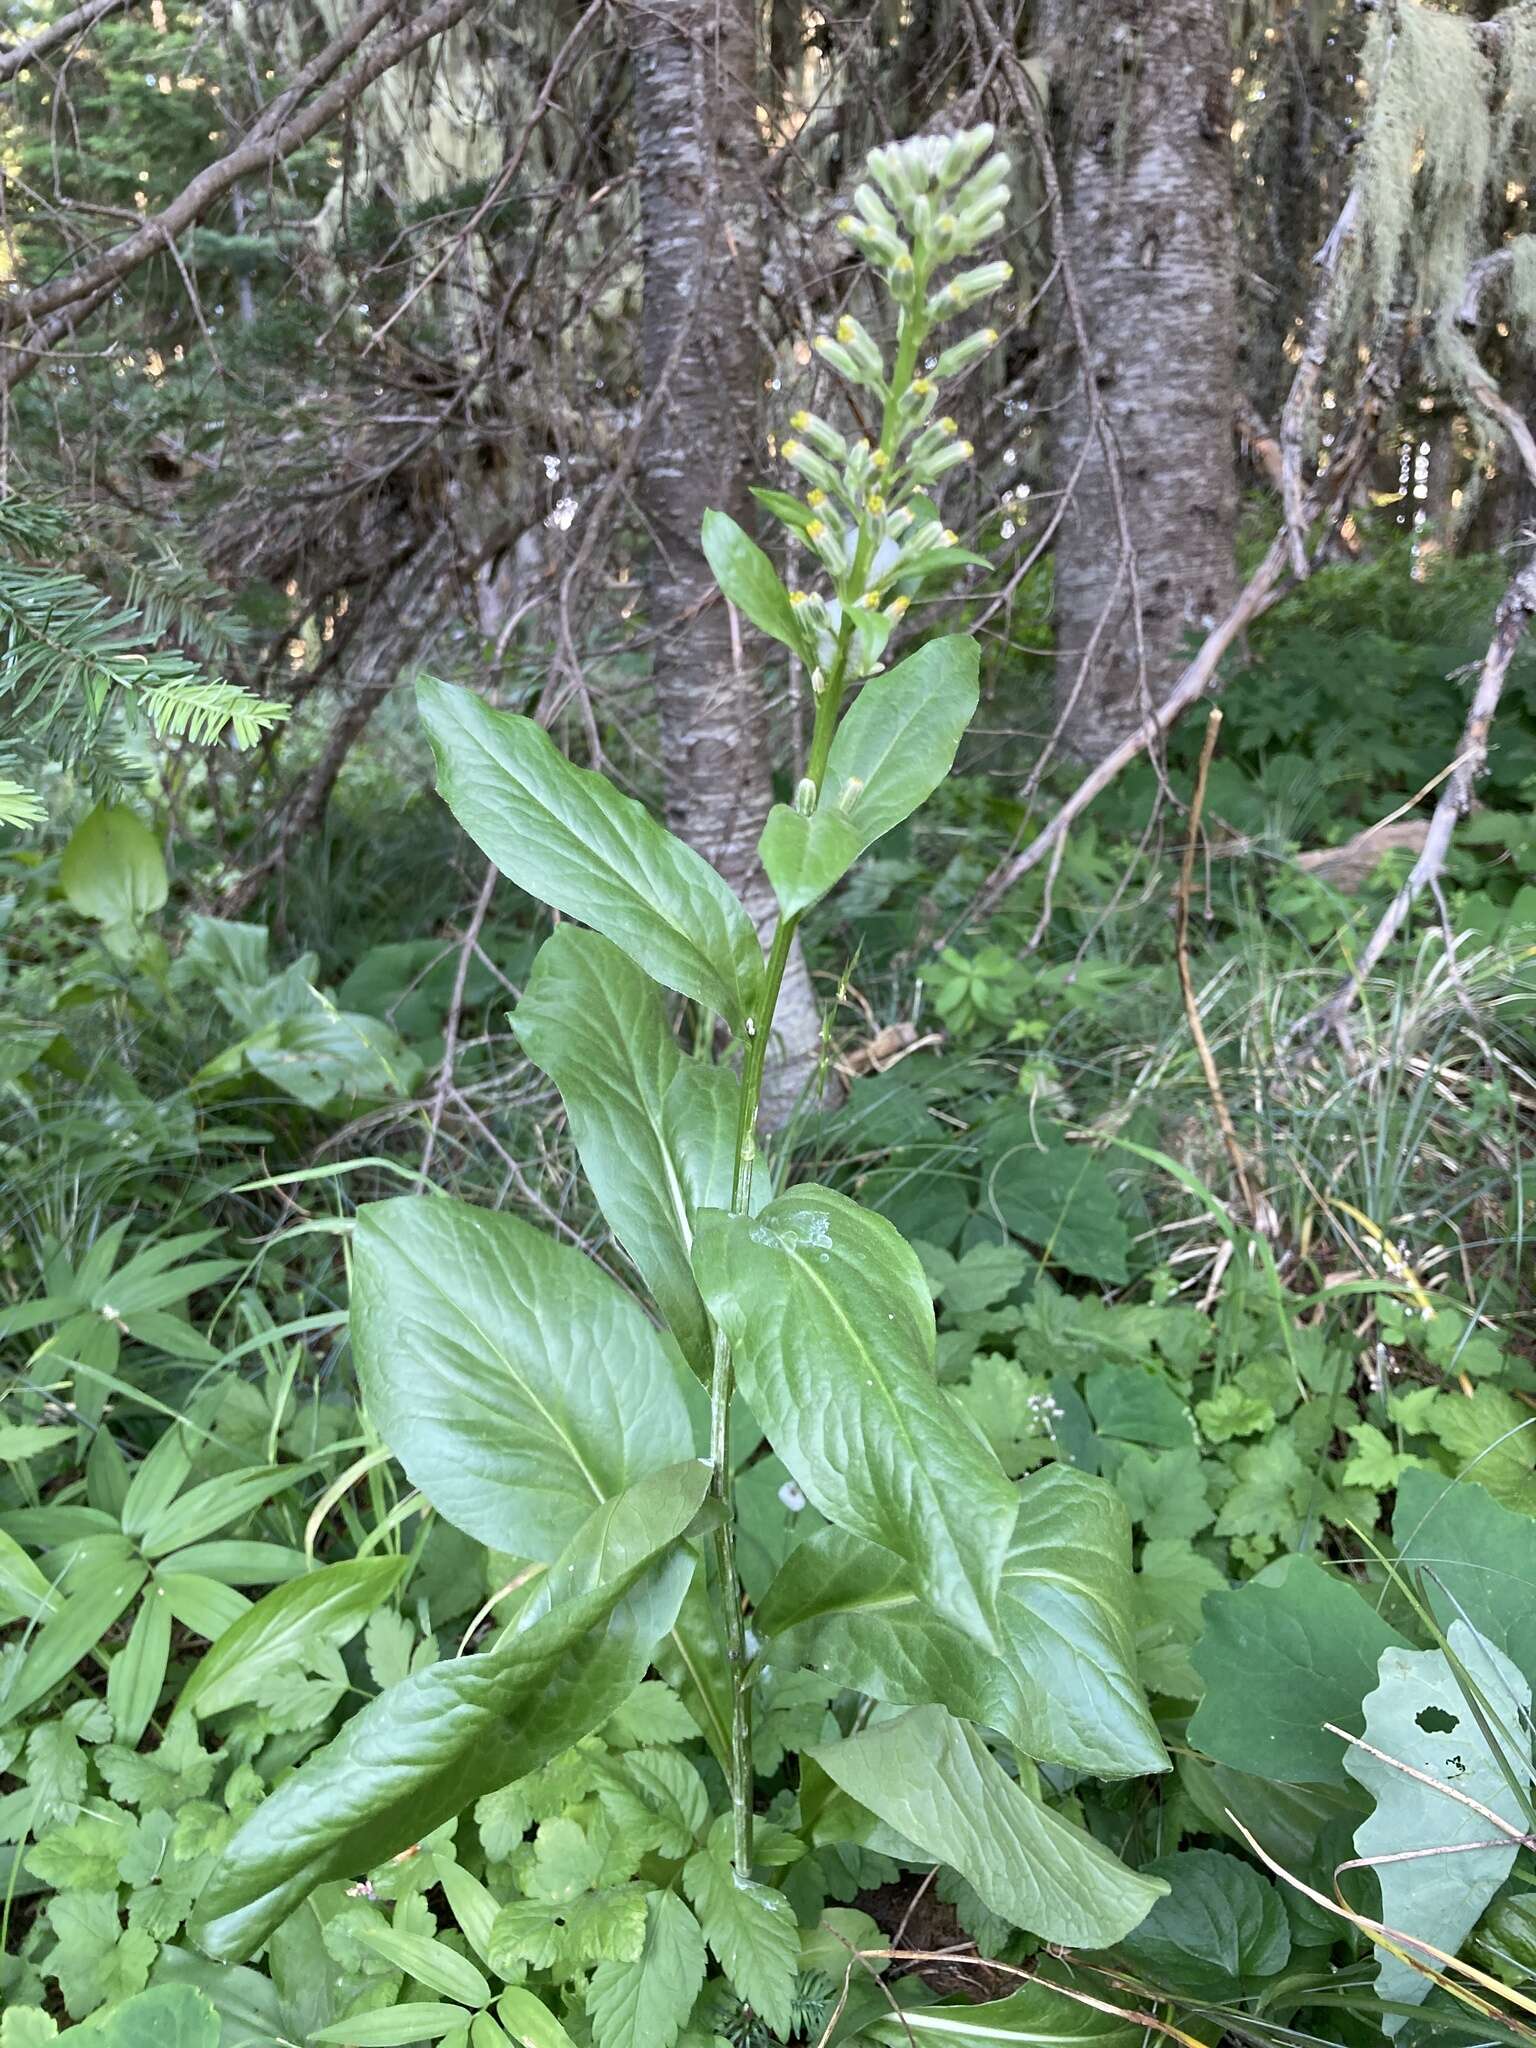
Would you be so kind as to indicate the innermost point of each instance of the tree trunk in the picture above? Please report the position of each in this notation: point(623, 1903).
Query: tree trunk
point(1144, 88)
point(700, 207)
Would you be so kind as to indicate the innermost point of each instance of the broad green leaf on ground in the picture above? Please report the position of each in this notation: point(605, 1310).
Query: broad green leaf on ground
point(426, 1749)
point(654, 1128)
point(1055, 1196)
point(1474, 1559)
point(567, 836)
point(831, 1327)
point(1063, 1685)
point(752, 1930)
point(1419, 1716)
point(112, 869)
point(1290, 1650)
point(933, 1779)
point(325, 1608)
point(169, 2016)
point(1492, 1437)
point(1220, 1932)
point(890, 753)
point(748, 580)
point(1034, 2016)
point(514, 1380)
point(643, 2004)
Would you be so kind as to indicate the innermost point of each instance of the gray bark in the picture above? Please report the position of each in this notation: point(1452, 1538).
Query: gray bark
point(699, 159)
point(1144, 88)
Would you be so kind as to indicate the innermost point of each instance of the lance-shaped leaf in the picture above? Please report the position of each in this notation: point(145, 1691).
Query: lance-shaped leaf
point(515, 1382)
point(933, 1779)
point(748, 579)
point(655, 1129)
point(325, 1607)
point(890, 754)
point(567, 836)
point(1062, 1686)
point(1035, 2016)
point(831, 1328)
point(1434, 1884)
point(430, 1746)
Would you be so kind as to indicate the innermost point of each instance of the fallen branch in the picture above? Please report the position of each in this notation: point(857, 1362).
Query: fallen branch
point(1516, 609)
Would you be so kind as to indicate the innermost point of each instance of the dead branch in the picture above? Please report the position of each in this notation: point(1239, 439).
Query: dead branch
point(49, 313)
point(79, 19)
point(1515, 611)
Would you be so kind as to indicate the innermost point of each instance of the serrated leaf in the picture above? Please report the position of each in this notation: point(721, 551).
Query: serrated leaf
point(524, 1935)
point(1419, 1716)
point(831, 1328)
point(643, 2004)
point(653, 1713)
point(654, 1128)
point(1283, 1654)
point(890, 753)
point(169, 2016)
point(753, 1932)
point(515, 1381)
point(567, 836)
point(933, 1779)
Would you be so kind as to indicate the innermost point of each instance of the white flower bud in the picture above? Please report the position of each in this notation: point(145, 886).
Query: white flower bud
point(805, 796)
point(963, 353)
point(966, 150)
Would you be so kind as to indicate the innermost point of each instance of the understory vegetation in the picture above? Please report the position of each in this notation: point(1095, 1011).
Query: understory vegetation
point(211, 1560)
point(767, 1060)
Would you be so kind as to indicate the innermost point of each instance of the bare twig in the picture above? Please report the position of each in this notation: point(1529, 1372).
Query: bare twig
point(80, 19)
point(1187, 981)
point(1516, 609)
point(467, 948)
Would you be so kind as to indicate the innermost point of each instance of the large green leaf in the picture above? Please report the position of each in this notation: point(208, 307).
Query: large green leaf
point(933, 1779)
point(831, 1327)
point(890, 754)
point(1063, 1684)
point(325, 1608)
point(1034, 2016)
point(1434, 1884)
point(655, 1129)
point(567, 836)
point(1219, 1933)
point(112, 870)
point(1294, 1648)
point(1055, 1195)
point(1478, 1559)
point(515, 1382)
point(749, 580)
point(430, 1746)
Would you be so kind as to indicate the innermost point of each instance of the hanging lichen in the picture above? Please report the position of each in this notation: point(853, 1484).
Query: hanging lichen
point(1426, 156)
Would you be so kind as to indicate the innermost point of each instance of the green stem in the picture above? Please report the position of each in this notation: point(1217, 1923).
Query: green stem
point(759, 1034)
